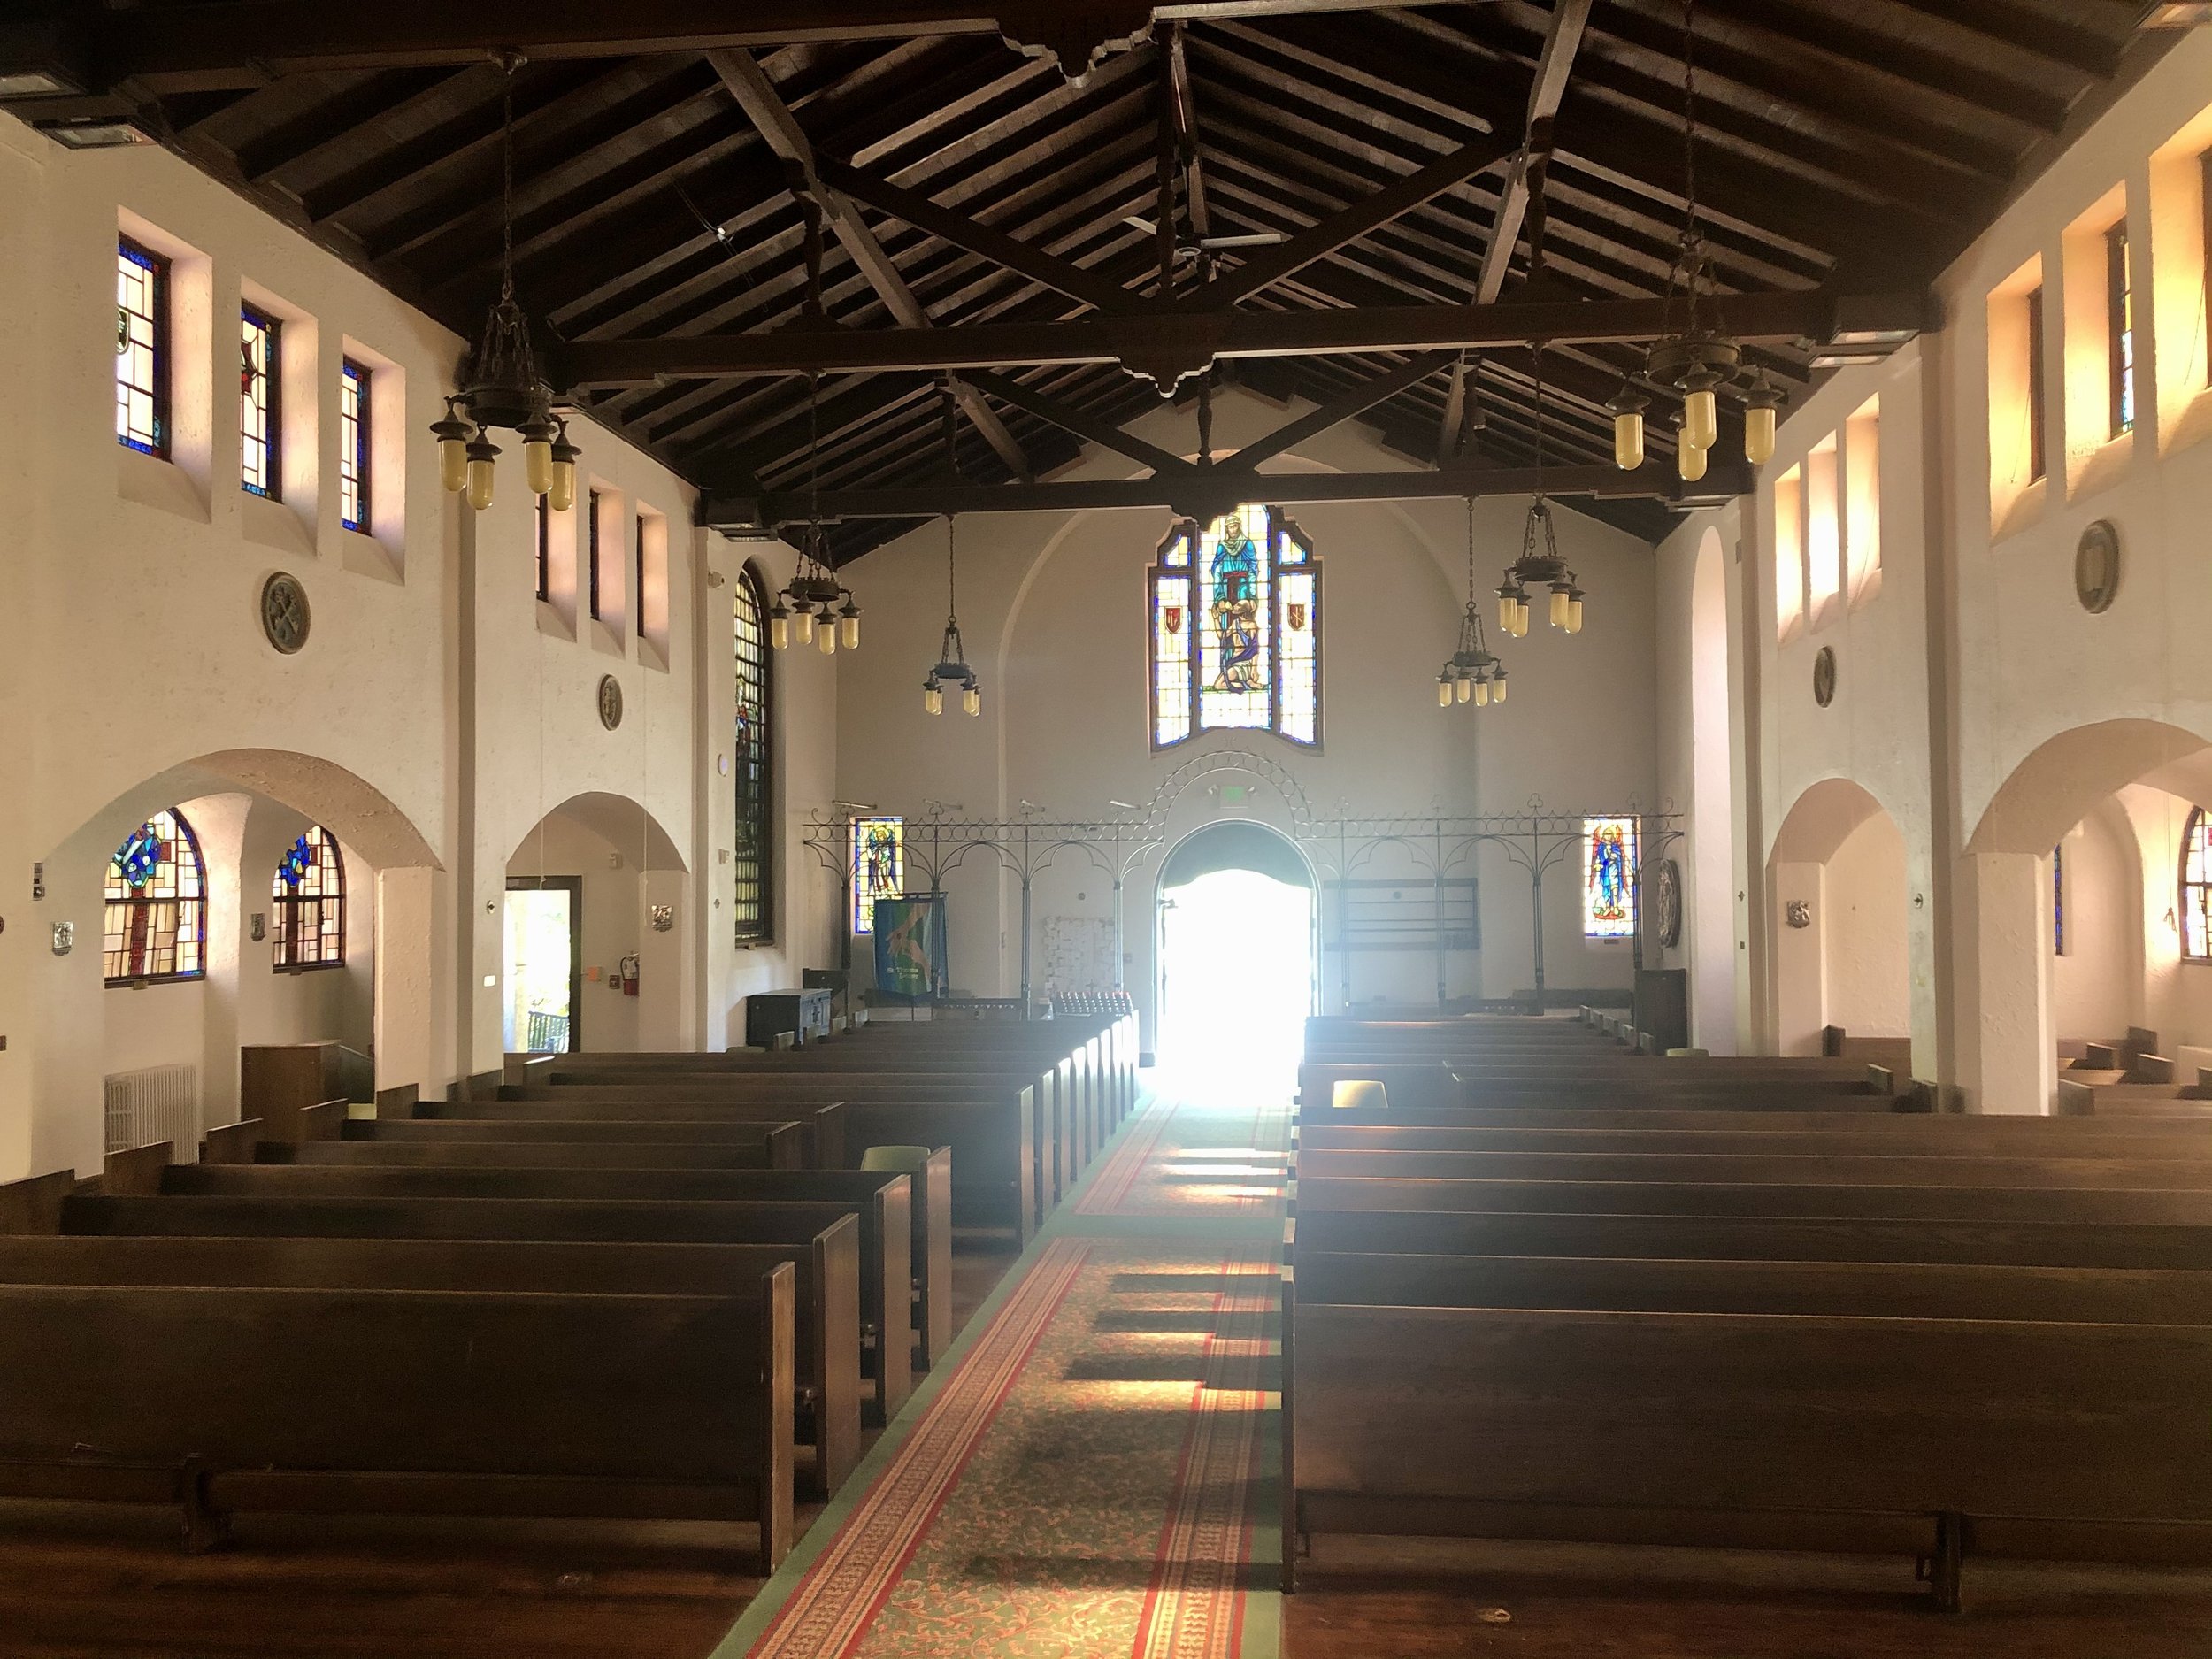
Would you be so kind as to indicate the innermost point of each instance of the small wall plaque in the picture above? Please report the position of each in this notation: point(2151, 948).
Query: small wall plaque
point(284, 617)
point(1824, 676)
point(663, 918)
point(1800, 912)
point(2097, 567)
point(65, 938)
point(609, 702)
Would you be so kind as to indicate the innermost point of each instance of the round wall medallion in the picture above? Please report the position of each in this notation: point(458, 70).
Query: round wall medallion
point(1668, 906)
point(609, 702)
point(285, 616)
point(1824, 676)
point(2097, 567)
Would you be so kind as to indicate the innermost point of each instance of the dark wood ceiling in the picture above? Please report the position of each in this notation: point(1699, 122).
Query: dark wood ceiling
point(1856, 144)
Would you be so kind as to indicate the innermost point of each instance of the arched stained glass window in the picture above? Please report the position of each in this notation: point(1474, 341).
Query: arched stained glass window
point(2196, 888)
point(308, 895)
point(751, 754)
point(157, 904)
point(1235, 618)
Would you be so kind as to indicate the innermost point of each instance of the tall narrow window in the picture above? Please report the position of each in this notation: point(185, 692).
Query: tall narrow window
point(353, 445)
point(308, 895)
point(142, 348)
point(1863, 498)
point(1235, 621)
point(2204, 233)
point(637, 577)
point(260, 421)
point(1608, 877)
point(2036, 465)
point(2120, 324)
point(2196, 888)
point(2058, 900)
point(591, 552)
point(1789, 552)
point(878, 867)
point(751, 754)
point(545, 550)
point(157, 904)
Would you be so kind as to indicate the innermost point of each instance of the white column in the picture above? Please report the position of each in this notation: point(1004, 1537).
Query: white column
point(2008, 1061)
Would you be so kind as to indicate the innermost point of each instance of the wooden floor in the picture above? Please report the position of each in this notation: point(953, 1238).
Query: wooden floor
point(1567, 1602)
point(79, 1582)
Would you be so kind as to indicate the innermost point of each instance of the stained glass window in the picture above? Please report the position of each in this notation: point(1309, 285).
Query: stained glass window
point(2058, 901)
point(157, 904)
point(749, 762)
point(1236, 629)
point(260, 429)
point(142, 348)
point(1608, 877)
point(545, 550)
point(353, 445)
point(2120, 302)
point(2196, 888)
point(308, 894)
point(879, 866)
point(591, 551)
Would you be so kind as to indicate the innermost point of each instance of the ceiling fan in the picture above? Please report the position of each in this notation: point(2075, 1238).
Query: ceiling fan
point(1188, 248)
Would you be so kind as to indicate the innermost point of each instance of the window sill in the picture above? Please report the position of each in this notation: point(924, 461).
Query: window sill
point(2102, 467)
point(1869, 590)
point(605, 640)
point(273, 525)
point(2189, 425)
point(152, 481)
point(365, 553)
point(2023, 511)
point(306, 967)
point(552, 620)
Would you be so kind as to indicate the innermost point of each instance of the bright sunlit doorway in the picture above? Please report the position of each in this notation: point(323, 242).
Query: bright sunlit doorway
point(544, 964)
point(1236, 955)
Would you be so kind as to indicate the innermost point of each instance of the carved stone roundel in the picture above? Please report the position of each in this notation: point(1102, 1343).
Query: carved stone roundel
point(2097, 567)
point(285, 616)
point(1669, 904)
point(609, 702)
point(1824, 676)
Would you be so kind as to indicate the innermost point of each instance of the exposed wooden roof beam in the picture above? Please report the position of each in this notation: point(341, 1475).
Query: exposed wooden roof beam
point(769, 113)
point(1204, 492)
point(1167, 347)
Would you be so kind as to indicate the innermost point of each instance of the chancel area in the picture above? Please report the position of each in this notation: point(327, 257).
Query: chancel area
point(1267, 829)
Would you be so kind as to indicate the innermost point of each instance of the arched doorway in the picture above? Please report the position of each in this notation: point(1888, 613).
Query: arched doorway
point(1235, 949)
point(1840, 953)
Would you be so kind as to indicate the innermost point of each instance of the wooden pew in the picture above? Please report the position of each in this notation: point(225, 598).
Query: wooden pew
point(1933, 1199)
point(437, 1402)
point(826, 1289)
point(1787, 1431)
point(1946, 1137)
point(641, 1221)
point(1381, 1224)
point(884, 1203)
point(821, 1120)
point(779, 1149)
point(1895, 1167)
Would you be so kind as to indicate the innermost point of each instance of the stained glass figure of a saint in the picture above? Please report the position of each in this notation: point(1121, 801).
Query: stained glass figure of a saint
point(1235, 628)
point(1608, 877)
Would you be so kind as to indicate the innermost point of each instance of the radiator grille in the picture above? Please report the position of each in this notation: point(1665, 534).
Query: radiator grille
point(161, 1102)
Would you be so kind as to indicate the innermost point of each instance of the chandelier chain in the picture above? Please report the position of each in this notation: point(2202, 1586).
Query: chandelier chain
point(507, 180)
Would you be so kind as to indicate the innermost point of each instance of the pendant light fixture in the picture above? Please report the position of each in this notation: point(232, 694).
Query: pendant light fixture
point(816, 607)
point(1540, 564)
point(502, 388)
point(1696, 362)
point(952, 665)
point(1470, 673)
point(952, 657)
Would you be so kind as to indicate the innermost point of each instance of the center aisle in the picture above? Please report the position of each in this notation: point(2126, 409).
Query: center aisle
point(1092, 1470)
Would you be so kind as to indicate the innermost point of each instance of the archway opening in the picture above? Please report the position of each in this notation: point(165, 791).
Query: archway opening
point(1236, 957)
point(1842, 962)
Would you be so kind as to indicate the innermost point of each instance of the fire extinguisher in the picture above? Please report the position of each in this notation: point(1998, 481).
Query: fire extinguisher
point(629, 976)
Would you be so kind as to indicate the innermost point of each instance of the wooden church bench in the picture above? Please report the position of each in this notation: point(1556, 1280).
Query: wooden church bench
point(776, 1150)
point(419, 1403)
point(826, 1289)
point(1895, 1166)
point(2129, 1139)
point(821, 1120)
point(794, 1222)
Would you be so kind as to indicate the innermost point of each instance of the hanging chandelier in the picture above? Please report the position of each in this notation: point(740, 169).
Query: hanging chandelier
point(1470, 673)
point(1540, 564)
point(952, 657)
point(952, 665)
point(815, 606)
point(502, 389)
point(1698, 361)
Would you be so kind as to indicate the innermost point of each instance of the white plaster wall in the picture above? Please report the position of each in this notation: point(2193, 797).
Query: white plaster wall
point(438, 711)
point(2097, 987)
point(1866, 971)
point(1053, 612)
